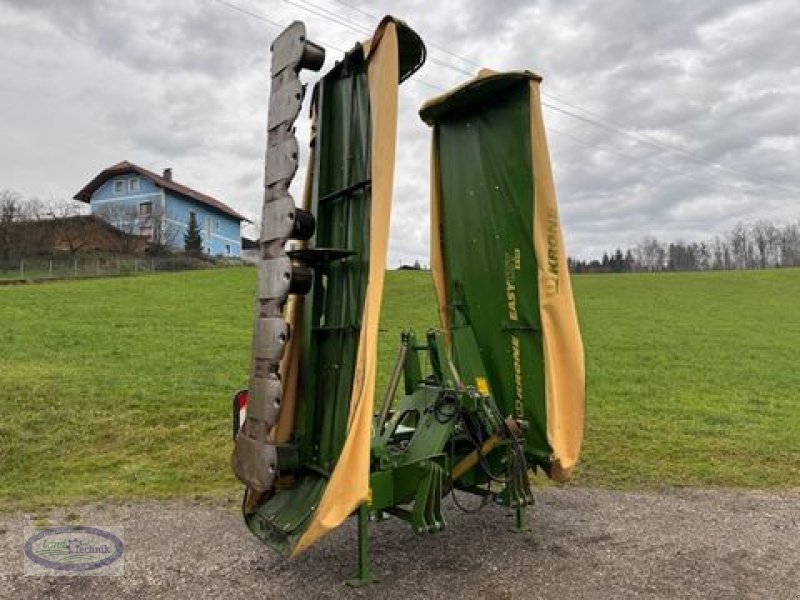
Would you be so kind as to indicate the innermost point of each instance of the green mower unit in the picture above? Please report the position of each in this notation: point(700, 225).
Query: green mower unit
point(503, 392)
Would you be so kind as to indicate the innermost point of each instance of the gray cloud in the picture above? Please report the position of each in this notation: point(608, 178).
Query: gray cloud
point(185, 85)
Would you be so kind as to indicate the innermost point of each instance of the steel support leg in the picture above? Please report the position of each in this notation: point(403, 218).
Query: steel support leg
point(363, 576)
point(521, 524)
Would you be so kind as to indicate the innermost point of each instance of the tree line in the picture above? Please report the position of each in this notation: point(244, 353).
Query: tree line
point(760, 245)
point(19, 217)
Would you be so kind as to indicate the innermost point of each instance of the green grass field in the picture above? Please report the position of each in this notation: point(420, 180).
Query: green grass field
point(120, 388)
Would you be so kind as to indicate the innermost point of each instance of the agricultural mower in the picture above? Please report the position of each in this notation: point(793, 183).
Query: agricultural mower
point(503, 395)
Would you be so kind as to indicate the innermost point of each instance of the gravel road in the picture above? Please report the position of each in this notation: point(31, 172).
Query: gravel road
point(584, 543)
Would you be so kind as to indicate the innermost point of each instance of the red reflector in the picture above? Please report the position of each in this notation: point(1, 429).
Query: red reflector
point(243, 397)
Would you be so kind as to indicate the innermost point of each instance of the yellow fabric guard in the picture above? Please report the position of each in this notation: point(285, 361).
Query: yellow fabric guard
point(564, 373)
point(437, 254)
point(349, 483)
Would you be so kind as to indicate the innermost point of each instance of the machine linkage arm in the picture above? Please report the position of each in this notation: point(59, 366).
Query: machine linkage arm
point(441, 436)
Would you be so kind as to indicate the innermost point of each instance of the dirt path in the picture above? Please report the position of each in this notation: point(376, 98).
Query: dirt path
point(584, 544)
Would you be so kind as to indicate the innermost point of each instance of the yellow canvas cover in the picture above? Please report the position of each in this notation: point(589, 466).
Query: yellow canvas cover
point(565, 377)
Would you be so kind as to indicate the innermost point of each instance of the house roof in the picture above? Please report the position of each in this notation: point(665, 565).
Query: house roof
point(84, 233)
point(95, 220)
point(89, 219)
point(121, 168)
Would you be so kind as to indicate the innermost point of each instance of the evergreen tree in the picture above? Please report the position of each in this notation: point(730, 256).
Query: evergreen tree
point(629, 261)
point(617, 262)
point(192, 240)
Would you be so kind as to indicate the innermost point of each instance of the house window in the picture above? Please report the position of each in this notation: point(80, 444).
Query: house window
point(208, 228)
point(145, 209)
point(228, 249)
point(119, 186)
point(216, 225)
point(133, 185)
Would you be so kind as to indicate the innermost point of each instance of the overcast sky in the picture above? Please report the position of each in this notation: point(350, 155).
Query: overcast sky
point(685, 116)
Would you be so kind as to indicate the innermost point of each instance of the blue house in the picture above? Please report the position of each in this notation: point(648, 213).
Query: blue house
point(140, 202)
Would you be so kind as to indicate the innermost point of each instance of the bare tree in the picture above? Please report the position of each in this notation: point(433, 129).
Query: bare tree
point(69, 225)
point(126, 219)
point(789, 245)
point(704, 256)
point(739, 246)
point(718, 253)
point(650, 254)
point(764, 235)
point(164, 234)
point(18, 232)
point(121, 216)
point(10, 212)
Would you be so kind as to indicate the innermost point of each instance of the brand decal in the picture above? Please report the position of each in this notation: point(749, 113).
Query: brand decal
point(513, 263)
point(553, 254)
